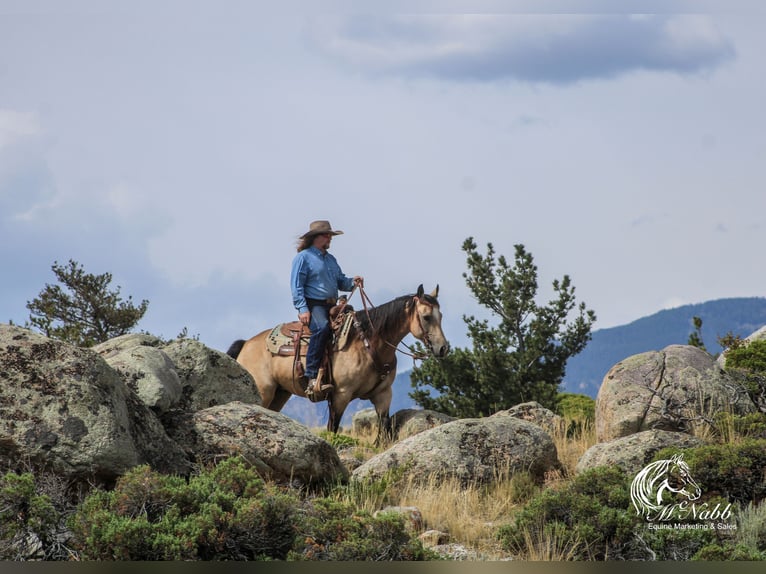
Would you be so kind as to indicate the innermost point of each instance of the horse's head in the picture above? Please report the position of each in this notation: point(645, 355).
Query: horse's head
point(679, 479)
point(426, 322)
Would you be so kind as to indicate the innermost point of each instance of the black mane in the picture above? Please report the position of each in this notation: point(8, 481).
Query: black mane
point(385, 317)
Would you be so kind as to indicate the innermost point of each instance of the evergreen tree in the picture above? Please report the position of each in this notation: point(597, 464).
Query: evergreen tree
point(521, 358)
point(695, 337)
point(84, 311)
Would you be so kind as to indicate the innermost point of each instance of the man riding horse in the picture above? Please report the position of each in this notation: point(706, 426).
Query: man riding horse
point(315, 280)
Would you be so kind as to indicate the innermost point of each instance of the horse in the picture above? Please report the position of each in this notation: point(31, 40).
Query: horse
point(364, 369)
point(649, 486)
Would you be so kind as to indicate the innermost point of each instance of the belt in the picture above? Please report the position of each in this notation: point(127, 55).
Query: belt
point(329, 302)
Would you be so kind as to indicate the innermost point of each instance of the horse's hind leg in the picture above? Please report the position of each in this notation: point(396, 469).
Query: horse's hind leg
point(281, 396)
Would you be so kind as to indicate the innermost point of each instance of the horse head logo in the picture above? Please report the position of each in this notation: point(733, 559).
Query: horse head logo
point(658, 478)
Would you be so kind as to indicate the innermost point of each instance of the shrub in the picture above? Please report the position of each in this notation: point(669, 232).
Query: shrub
point(25, 516)
point(576, 407)
point(33, 515)
point(739, 552)
point(746, 361)
point(335, 531)
point(592, 511)
point(229, 513)
point(579, 410)
point(734, 471)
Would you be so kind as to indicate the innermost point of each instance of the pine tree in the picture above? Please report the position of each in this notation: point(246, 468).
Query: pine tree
point(84, 311)
point(521, 358)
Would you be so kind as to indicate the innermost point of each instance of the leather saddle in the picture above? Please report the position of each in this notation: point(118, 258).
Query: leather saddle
point(285, 337)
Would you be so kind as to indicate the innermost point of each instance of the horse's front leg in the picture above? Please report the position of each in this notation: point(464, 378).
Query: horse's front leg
point(382, 403)
point(337, 404)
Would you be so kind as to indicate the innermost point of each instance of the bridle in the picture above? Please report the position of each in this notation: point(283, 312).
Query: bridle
point(416, 355)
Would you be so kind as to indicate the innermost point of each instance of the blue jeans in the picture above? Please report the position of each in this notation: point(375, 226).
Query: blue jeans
point(320, 334)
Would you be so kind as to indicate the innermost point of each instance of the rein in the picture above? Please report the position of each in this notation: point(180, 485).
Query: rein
point(414, 354)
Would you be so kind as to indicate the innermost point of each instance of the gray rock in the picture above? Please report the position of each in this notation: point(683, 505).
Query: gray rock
point(277, 446)
point(634, 452)
point(409, 422)
point(150, 373)
point(666, 390)
point(209, 377)
point(64, 408)
point(533, 412)
point(468, 450)
point(125, 342)
point(364, 422)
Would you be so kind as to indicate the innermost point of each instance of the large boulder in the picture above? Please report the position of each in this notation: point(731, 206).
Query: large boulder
point(535, 413)
point(469, 451)
point(147, 370)
point(404, 423)
point(634, 452)
point(209, 377)
point(64, 408)
point(277, 446)
point(670, 390)
point(409, 422)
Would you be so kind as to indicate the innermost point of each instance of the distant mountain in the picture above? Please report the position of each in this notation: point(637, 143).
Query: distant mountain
point(740, 316)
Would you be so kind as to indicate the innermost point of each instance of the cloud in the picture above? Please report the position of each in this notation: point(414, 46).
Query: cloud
point(536, 48)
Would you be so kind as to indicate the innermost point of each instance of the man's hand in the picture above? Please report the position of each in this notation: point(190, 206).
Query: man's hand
point(304, 318)
point(359, 281)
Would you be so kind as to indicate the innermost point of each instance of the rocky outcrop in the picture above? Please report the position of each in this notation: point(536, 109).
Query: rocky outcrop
point(96, 413)
point(209, 377)
point(65, 409)
point(404, 423)
point(533, 412)
point(634, 452)
point(469, 451)
point(145, 368)
point(667, 390)
point(409, 422)
point(277, 446)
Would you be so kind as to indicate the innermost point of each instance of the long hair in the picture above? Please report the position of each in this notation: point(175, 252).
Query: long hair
point(305, 242)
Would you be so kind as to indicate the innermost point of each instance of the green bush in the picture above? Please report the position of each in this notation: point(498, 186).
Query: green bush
point(746, 361)
point(229, 513)
point(338, 440)
point(576, 407)
point(335, 531)
point(26, 517)
point(226, 513)
point(592, 510)
point(734, 471)
point(580, 410)
point(739, 552)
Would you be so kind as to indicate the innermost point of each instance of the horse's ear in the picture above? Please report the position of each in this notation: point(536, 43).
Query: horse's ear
point(420, 291)
point(435, 292)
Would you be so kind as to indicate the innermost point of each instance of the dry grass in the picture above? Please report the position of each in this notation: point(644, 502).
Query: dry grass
point(471, 514)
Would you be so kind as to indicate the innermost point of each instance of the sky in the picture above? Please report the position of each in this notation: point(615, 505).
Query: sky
point(183, 146)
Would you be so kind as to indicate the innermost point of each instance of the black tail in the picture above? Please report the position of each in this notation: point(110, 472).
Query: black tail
point(236, 348)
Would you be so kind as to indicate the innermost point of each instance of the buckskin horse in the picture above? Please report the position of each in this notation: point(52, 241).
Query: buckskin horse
point(364, 369)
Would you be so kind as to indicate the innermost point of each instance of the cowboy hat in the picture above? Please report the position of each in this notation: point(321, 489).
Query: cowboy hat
point(320, 227)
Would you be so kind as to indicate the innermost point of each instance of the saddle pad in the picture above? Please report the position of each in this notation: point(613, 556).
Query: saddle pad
point(278, 343)
point(275, 340)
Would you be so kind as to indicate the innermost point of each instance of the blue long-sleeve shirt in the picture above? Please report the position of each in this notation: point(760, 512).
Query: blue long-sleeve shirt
point(316, 275)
